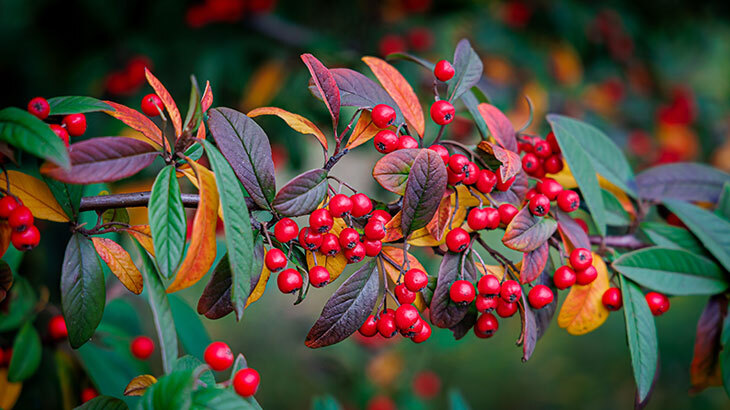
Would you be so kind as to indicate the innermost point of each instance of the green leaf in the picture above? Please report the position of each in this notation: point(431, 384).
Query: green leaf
point(161, 312)
point(194, 151)
point(457, 401)
point(82, 290)
point(725, 354)
point(326, 402)
point(193, 336)
point(672, 271)
point(188, 362)
point(103, 403)
point(723, 205)
point(115, 215)
point(472, 105)
point(195, 110)
point(171, 392)
point(581, 165)
point(167, 221)
point(24, 131)
point(669, 236)
point(22, 298)
point(709, 228)
point(641, 336)
point(26, 354)
point(215, 398)
point(76, 105)
point(239, 364)
point(616, 215)
point(67, 195)
point(237, 225)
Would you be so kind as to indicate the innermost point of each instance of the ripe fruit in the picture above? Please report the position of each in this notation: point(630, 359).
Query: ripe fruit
point(330, 244)
point(486, 325)
point(477, 218)
point(658, 303)
point(462, 292)
point(458, 163)
point(443, 70)
point(142, 347)
point(88, 393)
point(486, 303)
point(504, 185)
point(349, 238)
point(586, 276)
point(60, 132)
point(246, 382)
point(57, 328)
point(486, 181)
point(374, 229)
point(152, 105)
point(321, 220)
point(568, 201)
point(218, 356)
point(550, 188)
point(20, 219)
point(385, 141)
point(442, 151)
point(442, 112)
point(424, 334)
point(319, 276)
point(507, 213)
point(310, 239)
point(403, 294)
point(415, 279)
point(285, 230)
point(361, 205)
point(510, 291)
point(386, 325)
point(7, 206)
point(471, 174)
point(340, 205)
point(406, 142)
point(612, 299)
point(26, 240)
point(426, 385)
point(39, 107)
point(75, 124)
point(530, 163)
point(372, 247)
point(564, 277)
point(493, 218)
point(505, 309)
point(383, 115)
point(488, 285)
point(406, 316)
point(457, 240)
point(382, 215)
point(580, 258)
point(275, 260)
point(542, 148)
point(553, 164)
point(355, 254)
point(370, 327)
point(453, 178)
point(553, 142)
point(539, 205)
point(289, 281)
point(540, 296)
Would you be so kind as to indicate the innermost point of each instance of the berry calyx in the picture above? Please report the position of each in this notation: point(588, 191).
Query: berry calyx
point(370, 327)
point(349, 238)
point(27, 239)
point(383, 115)
point(442, 151)
point(289, 281)
point(319, 276)
point(406, 316)
point(568, 201)
point(507, 213)
point(218, 356)
point(361, 205)
point(407, 142)
point(340, 205)
point(612, 299)
point(442, 112)
point(385, 141)
point(285, 230)
point(539, 205)
point(415, 280)
point(310, 239)
point(75, 124)
point(7, 206)
point(246, 382)
point(275, 260)
point(355, 254)
point(488, 285)
point(403, 294)
point(39, 107)
point(540, 296)
point(586, 276)
point(443, 70)
point(580, 258)
point(142, 347)
point(20, 219)
point(57, 328)
point(330, 244)
point(487, 324)
point(510, 291)
point(457, 240)
point(321, 220)
point(152, 105)
point(486, 181)
point(462, 292)
point(658, 303)
point(564, 277)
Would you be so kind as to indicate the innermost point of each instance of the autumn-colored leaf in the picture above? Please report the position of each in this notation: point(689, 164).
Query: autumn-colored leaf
point(138, 122)
point(9, 391)
point(705, 370)
point(393, 271)
point(298, 123)
point(335, 265)
point(120, 263)
point(499, 126)
point(533, 263)
point(440, 221)
point(326, 85)
point(167, 100)
point(583, 310)
point(363, 132)
point(205, 102)
point(511, 162)
point(400, 91)
point(527, 232)
point(393, 230)
point(36, 195)
point(258, 291)
point(139, 385)
point(202, 250)
point(391, 171)
point(143, 235)
point(5, 232)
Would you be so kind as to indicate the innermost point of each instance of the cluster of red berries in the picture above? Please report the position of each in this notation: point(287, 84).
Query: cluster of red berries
point(220, 357)
point(130, 78)
point(228, 11)
point(542, 156)
point(658, 302)
point(73, 125)
point(547, 190)
point(580, 271)
point(25, 235)
point(405, 319)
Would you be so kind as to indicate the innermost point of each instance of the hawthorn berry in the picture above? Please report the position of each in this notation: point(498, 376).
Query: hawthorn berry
point(415, 279)
point(20, 219)
point(321, 220)
point(485, 303)
point(246, 382)
point(349, 238)
point(406, 316)
point(319, 276)
point(458, 163)
point(487, 324)
point(340, 205)
point(27, 239)
point(504, 185)
point(330, 244)
point(88, 394)
point(568, 201)
point(612, 299)
point(462, 292)
point(530, 193)
point(477, 219)
point(583, 225)
point(586, 276)
point(442, 151)
point(361, 205)
point(383, 115)
point(152, 105)
point(355, 254)
point(370, 327)
point(39, 107)
point(310, 239)
point(60, 133)
point(540, 296)
point(386, 325)
point(505, 309)
point(75, 124)
point(403, 294)
point(275, 260)
point(457, 240)
point(553, 164)
point(510, 291)
point(289, 281)
point(57, 328)
point(507, 213)
point(426, 385)
point(486, 181)
point(488, 285)
point(493, 218)
point(443, 70)
point(382, 215)
point(580, 258)
point(372, 247)
point(7, 206)
point(142, 347)
point(218, 356)
point(564, 277)
point(453, 178)
point(539, 205)
point(385, 141)
point(553, 142)
point(424, 334)
point(407, 142)
point(542, 148)
point(550, 188)
point(530, 163)
point(471, 174)
point(658, 303)
point(285, 230)
point(442, 112)
point(374, 229)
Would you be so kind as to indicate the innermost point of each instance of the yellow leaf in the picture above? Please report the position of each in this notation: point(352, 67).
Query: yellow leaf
point(364, 131)
point(583, 310)
point(139, 385)
point(496, 270)
point(263, 85)
point(36, 195)
point(190, 175)
point(143, 235)
point(396, 254)
point(120, 263)
point(201, 252)
point(167, 101)
point(260, 287)
point(5, 232)
point(9, 392)
point(335, 265)
point(298, 123)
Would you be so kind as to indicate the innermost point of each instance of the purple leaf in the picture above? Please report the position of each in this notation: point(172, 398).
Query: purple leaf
point(686, 181)
point(468, 67)
point(515, 194)
point(706, 357)
point(527, 232)
point(326, 85)
point(302, 194)
point(528, 335)
point(570, 229)
point(462, 328)
point(424, 189)
point(533, 263)
point(444, 312)
point(499, 126)
point(392, 170)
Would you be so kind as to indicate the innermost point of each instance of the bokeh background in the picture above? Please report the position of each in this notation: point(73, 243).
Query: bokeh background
point(652, 74)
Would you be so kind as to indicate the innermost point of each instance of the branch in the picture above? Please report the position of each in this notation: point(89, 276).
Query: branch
point(138, 199)
point(622, 241)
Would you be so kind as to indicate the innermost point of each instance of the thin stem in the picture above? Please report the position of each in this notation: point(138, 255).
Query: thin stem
point(441, 132)
point(342, 183)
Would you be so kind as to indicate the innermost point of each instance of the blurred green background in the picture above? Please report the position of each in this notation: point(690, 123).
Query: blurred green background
point(652, 74)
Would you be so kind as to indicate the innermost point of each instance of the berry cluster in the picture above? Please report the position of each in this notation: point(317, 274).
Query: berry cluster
point(25, 235)
point(220, 357)
point(542, 156)
point(129, 79)
point(658, 303)
point(580, 271)
point(73, 125)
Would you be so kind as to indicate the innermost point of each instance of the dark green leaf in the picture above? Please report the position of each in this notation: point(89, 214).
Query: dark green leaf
point(641, 336)
point(709, 228)
point(21, 301)
point(302, 194)
point(528, 232)
point(103, 403)
point(189, 362)
point(424, 189)
point(76, 105)
point(6, 279)
point(26, 354)
point(215, 398)
point(462, 328)
point(616, 215)
point(172, 392)
point(669, 236)
point(723, 204)
point(472, 105)
point(687, 181)
point(194, 152)
point(115, 215)
point(468, 67)
point(167, 221)
point(24, 131)
point(193, 336)
point(67, 195)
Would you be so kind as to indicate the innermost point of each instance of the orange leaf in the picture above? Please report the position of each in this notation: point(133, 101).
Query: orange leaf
point(396, 254)
point(9, 391)
point(511, 162)
point(5, 232)
point(264, 84)
point(36, 195)
point(364, 131)
point(201, 252)
point(260, 287)
point(139, 385)
point(138, 122)
point(143, 235)
point(400, 91)
point(205, 103)
point(295, 121)
point(120, 263)
point(167, 100)
point(393, 231)
point(583, 310)
point(440, 222)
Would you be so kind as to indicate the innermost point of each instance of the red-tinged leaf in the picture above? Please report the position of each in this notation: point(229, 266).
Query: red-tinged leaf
point(527, 232)
point(499, 126)
point(400, 91)
point(295, 121)
point(347, 309)
point(119, 263)
point(515, 194)
point(363, 132)
point(533, 263)
point(705, 370)
point(303, 194)
point(570, 230)
point(5, 232)
point(326, 85)
point(103, 159)
point(356, 90)
point(138, 122)
point(468, 67)
point(205, 103)
point(440, 221)
point(167, 101)
point(511, 162)
point(424, 189)
point(685, 181)
point(444, 312)
point(393, 230)
point(201, 252)
point(528, 332)
point(391, 171)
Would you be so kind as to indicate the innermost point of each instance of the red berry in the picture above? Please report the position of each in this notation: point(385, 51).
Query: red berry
point(583, 225)
point(586, 276)
point(564, 277)
point(386, 325)
point(361, 205)
point(530, 163)
point(462, 292)
point(60, 132)
point(477, 219)
point(340, 205)
point(152, 105)
point(442, 151)
point(424, 334)
point(507, 213)
point(530, 193)
point(20, 219)
point(355, 254)
point(349, 238)
point(142, 347)
point(458, 163)
point(319, 276)
point(486, 181)
point(457, 240)
point(246, 382)
point(7, 206)
point(310, 239)
point(553, 164)
point(75, 124)
point(370, 327)
point(487, 324)
point(285, 230)
point(289, 281)
point(374, 229)
point(504, 185)
point(580, 258)
point(383, 115)
point(486, 303)
point(39, 107)
point(275, 260)
point(471, 174)
point(406, 316)
point(443, 70)
point(488, 285)
point(442, 112)
point(382, 215)
point(658, 303)
point(321, 220)
point(505, 309)
point(57, 328)
point(385, 141)
point(407, 142)
point(553, 142)
point(26, 240)
point(612, 299)
point(568, 201)
point(88, 393)
point(330, 244)
point(542, 148)
point(218, 356)
point(403, 294)
point(493, 218)
point(453, 178)
point(415, 279)
point(539, 205)
point(550, 188)
point(510, 291)
point(426, 385)
point(372, 247)
point(540, 296)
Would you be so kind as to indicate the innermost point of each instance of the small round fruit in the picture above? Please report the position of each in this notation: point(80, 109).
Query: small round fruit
point(7, 206)
point(88, 394)
point(330, 244)
point(553, 142)
point(580, 258)
point(486, 303)
point(407, 142)
point(289, 281)
point(383, 115)
point(550, 188)
point(285, 230)
point(218, 356)
point(415, 279)
point(57, 328)
point(442, 112)
point(612, 299)
point(539, 205)
point(583, 225)
point(349, 238)
point(39, 107)
point(489, 285)
point(60, 133)
point(462, 292)
point(310, 239)
point(493, 218)
point(457, 240)
point(540, 296)
point(386, 326)
point(658, 303)
point(442, 151)
point(142, 347)
point(486, 181)
point(75, 124)
point(477, 219)
point(510, 291)
point(246, 382)
point(443, 70)
point(530, 163)
point(504, 185)
point(471, 174)
point(553, 164)
point(406, 316)
point(453, 178)
point(370, 327)
point(374, 229)
point(361, 205)
point(542, 148)
point(340, 205)
point(355, 254)
point(372, 247)
point(424, 334)
point(385, 141)
point(403, 294)
point(507, 213)
point(505, 309)
point(152, 105)
point(21, 219)
point(586, 276)
point(564, 277)
point(275, 260)
point(319, 276)
point(382, 215)
point(487, 324)
point(458, 163)
point(26, 240)
point(321, 220)
point(568, 201)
